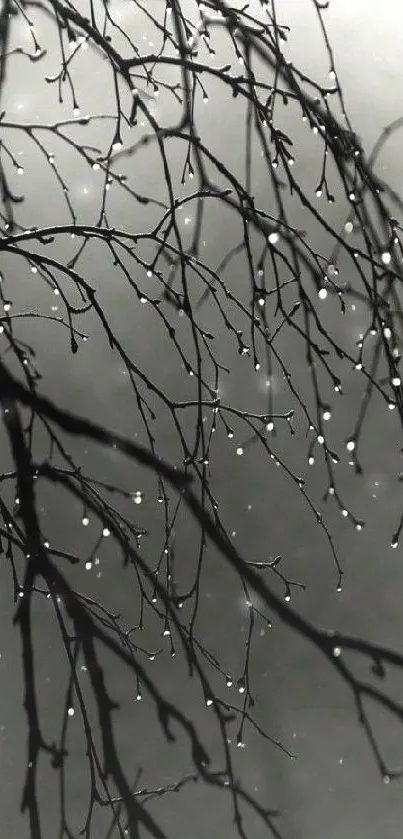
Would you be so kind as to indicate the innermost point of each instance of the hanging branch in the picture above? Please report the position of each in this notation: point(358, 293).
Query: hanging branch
point(269, 283)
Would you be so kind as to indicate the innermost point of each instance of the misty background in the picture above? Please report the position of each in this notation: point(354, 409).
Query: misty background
point(332, 787)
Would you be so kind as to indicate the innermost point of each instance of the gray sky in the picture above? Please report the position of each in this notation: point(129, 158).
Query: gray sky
point(332, 787)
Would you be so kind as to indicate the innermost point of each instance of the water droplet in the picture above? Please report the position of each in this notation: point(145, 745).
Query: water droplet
point(239, 451)
point(336, 652)
point(349, 227)
point(386, 257)
point(273, 238)
point(322, 293)
point(70, 712)
point(106, 531)
point(350, 445)
point(85, 521)
point(88, 566)
point(327, 414)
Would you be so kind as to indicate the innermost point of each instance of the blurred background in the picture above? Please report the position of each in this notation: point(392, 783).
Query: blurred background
point(332, 786)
